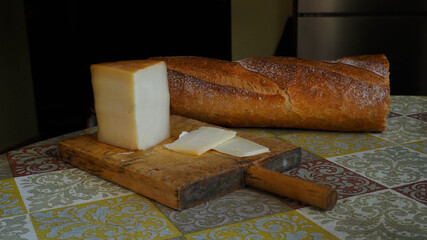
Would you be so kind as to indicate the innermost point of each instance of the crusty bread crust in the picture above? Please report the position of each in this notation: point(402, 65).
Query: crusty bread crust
point(348, 94)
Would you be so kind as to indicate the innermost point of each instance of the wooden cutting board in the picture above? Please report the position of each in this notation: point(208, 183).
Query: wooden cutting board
point(179, 180)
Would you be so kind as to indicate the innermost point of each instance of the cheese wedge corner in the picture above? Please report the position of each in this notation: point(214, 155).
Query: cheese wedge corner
point(131, 103)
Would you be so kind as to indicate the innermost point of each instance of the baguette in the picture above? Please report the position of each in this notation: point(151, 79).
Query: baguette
point(347, 94)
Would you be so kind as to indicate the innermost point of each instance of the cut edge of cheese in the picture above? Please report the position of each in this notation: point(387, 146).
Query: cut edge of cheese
point(152, 117)
point(132, 103)
point(241, 147)
point(201, 140)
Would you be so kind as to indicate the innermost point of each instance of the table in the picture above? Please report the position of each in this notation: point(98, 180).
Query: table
point(380, 177)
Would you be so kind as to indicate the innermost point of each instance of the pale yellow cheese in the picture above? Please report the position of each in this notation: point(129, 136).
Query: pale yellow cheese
point(241, 147)
point(131, 103)
point(201, 140)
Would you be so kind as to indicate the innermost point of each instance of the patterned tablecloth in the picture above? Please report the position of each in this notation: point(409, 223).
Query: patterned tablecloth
point(380, 178)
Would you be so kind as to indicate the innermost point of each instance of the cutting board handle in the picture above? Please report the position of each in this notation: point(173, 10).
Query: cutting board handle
point(314, 194)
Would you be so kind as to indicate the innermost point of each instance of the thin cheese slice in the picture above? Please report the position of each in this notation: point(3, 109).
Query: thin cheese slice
point(201, 140)
point(131, 103)
point(241, 147)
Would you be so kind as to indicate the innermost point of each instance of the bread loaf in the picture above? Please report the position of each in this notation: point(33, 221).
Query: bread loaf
point(348, 94)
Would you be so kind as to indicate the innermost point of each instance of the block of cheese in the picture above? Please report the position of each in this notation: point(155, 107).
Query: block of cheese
point(241, 147)
point(131, 103)
point(201, 140)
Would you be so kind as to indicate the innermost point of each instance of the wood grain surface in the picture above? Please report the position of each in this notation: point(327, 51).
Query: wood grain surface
point(176, 180)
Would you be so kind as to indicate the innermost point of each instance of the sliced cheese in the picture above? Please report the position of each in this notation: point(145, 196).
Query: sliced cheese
point(201, 140)
point(241, 147)
point(131, 103)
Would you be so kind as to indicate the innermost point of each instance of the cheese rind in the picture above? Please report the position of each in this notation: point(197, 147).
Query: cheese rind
point(241, 147)
point(131, 103)
point(201, 140)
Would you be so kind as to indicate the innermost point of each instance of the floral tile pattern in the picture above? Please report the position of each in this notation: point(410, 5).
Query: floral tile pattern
point(234, 207)
point(416, 191)
point(404, 129)
point(11, 203)
point(419, 116)
point(16, 228)
point(5, 171)
point(420, 146)
point(37, 159)
point(346, 182)
point(64, 188)
point(116, 218)
point(383, 215)
point(392, 166)
point(408, 104)
point(329, 144)
point(381, 179)
point(290, 225)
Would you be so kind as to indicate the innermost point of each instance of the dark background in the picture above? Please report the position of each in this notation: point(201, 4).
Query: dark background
point(65, 37)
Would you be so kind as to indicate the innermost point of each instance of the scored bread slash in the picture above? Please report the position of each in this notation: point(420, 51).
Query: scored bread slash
point(201, 140)
point(241, 147)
